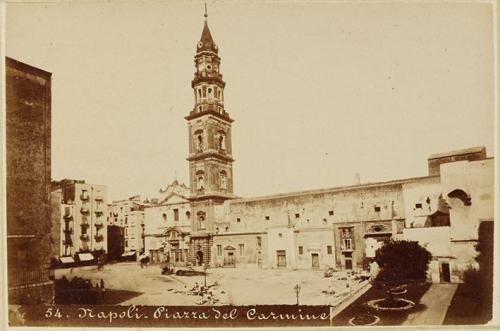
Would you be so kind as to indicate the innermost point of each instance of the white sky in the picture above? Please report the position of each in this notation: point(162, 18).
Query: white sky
point(318, 91)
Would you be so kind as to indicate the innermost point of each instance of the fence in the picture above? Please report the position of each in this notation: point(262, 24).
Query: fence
point(19, 277)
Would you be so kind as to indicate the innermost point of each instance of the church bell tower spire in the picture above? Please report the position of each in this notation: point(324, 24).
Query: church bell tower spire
point(209, 125)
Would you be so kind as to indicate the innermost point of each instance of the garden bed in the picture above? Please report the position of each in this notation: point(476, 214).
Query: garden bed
point(359, 307)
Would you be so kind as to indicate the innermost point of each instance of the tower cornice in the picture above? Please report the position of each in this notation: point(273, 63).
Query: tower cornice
point(224, 117)
point(210, 154)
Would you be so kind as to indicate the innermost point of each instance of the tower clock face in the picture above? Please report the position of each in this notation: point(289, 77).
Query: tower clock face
point(200, 44)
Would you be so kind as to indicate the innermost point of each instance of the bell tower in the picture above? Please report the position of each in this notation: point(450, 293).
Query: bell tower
point(209, 126)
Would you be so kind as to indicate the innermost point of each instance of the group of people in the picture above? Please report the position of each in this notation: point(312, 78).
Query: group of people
point(205, 293)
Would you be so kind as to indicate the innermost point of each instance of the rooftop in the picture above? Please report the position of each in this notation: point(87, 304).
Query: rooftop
point(471, 150)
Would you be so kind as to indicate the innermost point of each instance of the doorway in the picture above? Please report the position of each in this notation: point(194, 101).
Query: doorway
point(199, 258)
point(445, 272)
point(281, 258)
point(315, 260)
point(348, 264)
point(230, 260)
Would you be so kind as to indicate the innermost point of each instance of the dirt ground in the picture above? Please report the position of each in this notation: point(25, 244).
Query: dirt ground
point(236, 286)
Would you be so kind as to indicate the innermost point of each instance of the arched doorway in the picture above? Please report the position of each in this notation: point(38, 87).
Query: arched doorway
point(199, 258)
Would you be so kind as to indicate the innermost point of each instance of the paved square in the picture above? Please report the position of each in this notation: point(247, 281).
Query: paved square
point(236, 286)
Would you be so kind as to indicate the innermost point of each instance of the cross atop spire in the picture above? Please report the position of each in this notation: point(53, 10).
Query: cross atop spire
point(206, 15)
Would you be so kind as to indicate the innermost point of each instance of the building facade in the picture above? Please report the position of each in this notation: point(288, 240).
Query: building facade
point(82, 220)
point(168, 226)
point(129, 215)
point(28, 162)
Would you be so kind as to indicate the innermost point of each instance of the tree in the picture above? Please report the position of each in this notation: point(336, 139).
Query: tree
point(401, 260)
point(480, 282)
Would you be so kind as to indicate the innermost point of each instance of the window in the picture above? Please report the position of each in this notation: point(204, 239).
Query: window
point(346, 235)
point(301, 250)
point(199, 141)
point(164, 217)
point(223, 180)
point(188, 215)
point(200, 180)
point(242, 249)
point(325, 220)
point(204, 91)
point(329, 249)
point(297, 215)
point(418, 205)
point(201, 220)
point(238, 220)
point(267, 218)
point(219, 250)
point(330, 213)
point(347, 244)
point(126, 243)
point(377, 208)
point(280, 235)
point(221, 142)
point(176, 215)
point(216, 230)
point(227, 228)
point(126, 220)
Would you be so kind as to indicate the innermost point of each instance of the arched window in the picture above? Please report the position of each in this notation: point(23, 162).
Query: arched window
point(201, 220)
point(198, 137)
point(200, 180)
point(164, 217)
point(188, 215)
point(461, 195)
point(223, 180)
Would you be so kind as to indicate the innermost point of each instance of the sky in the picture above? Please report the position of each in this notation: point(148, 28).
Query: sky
point(319, 91)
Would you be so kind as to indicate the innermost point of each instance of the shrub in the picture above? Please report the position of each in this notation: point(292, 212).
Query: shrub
point(402, 260)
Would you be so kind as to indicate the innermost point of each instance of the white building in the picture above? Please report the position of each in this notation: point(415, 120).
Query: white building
point(82, 223)
point(168, 225)
point(129, 214)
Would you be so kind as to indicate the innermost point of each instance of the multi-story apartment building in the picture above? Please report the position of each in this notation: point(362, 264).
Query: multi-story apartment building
point(28, 169)
point(83, 224)
point(129, 215)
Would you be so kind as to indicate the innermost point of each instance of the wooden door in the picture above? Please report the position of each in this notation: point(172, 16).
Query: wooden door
point(281, 259)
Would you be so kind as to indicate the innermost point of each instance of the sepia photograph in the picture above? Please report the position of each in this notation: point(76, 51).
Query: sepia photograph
point(229, 164)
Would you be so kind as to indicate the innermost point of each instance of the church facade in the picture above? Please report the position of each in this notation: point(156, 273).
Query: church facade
point(338, 227)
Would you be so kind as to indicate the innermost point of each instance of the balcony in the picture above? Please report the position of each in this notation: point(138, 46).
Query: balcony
point(68, 242)
point(68, 230)
point(99, 237)
point(98, 211)
point(84, 237)
point(84, 210)
point(98, 225)
point(84, 197)
point(99, 197)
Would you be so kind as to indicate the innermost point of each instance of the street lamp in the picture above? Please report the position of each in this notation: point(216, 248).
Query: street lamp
point(296, 289)
point(205, 267)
